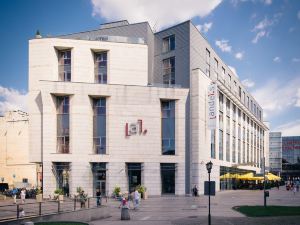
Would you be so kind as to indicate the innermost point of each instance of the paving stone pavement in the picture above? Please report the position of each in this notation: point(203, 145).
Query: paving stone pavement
point(193, 211)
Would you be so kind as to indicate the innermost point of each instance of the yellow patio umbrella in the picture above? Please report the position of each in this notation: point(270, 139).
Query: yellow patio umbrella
point(271, 176)
point(228, 176)
point(249, 176)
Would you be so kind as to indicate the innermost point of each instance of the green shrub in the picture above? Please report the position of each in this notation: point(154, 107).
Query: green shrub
point(117, 191)
point(59, 191)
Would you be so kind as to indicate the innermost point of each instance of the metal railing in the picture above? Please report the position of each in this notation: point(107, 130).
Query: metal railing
point(48, 207)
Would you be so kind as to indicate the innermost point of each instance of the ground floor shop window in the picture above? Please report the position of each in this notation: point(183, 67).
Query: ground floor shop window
point(134, 175)
point(99, 178)
point(61, 172)
point(167, 178)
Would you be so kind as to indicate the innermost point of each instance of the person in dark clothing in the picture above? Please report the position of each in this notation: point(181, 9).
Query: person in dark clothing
point(195, 190)
point(98, 196)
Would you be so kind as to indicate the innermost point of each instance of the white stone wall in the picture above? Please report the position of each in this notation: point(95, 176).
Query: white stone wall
point(14, 153)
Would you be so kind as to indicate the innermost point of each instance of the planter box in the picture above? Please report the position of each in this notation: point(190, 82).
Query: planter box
point(145, 195)
point(61, 198)
point(39, 197)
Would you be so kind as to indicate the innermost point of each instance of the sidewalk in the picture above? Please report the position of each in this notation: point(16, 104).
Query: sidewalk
point(190, 210)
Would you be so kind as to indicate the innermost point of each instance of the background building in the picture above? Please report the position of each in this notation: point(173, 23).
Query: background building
point(90, 91)
point(15, 168)
point(275, 154)
point(291, 158)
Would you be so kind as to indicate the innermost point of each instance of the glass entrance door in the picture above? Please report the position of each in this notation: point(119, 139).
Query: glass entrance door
point(167, 178)
point(99, 177)
point(134, 175)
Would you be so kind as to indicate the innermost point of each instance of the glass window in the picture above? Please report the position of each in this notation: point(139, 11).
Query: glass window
point(168, 127)
point(233, 150)
point(220, 145)
point(169, 71)
point(99, 125)
point(64, 65)
point(227, 147)
point(212, 144)
point(221, 99)
point(221, 120)
point(169, 43)
point(228, 107)
point(216, 64)
point(223, 74)
point(62, 115)
point(207, 70)
point(101, 67)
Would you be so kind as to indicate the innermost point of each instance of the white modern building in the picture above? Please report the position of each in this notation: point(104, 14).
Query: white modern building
point(123, 106)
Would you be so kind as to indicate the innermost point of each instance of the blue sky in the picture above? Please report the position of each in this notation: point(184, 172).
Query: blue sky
point(260, 39)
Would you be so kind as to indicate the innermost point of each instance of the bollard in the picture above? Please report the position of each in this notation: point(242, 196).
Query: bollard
point(58, 206)
point(88, 203)
point(18, 212)
point(74, 203)
point(125, 214)
point(40, 208)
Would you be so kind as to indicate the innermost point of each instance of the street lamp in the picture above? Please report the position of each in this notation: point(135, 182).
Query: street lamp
point(209, 167)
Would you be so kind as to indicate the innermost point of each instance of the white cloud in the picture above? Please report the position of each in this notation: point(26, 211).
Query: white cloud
point(233, 70)
point(12, 99)
point(264, 26)
point(158, 13)
point(296, 60)
point(292, 29)
point(276, 97)
point(298, 14)
point(239, 55)
point(248, 83)
point(277, 59)
point(289, 129)
point(223, 45)
point(205, 27)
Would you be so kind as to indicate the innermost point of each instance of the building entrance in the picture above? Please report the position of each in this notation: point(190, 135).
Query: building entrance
point(61, 171)
point(99, 177)
point(134, 175)
point(167, 178)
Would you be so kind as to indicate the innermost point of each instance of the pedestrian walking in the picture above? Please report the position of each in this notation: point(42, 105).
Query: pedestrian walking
point(295, 189)
point(23, 195)
point(98, 196)
point(195, 190)
point(14, 195)
point(82, 199)
point(21, 212)
point(136, 199)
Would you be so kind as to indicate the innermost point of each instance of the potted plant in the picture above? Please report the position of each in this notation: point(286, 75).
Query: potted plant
point(143, 191)
point(117, 191)
point(39, 195)
point(59, 194)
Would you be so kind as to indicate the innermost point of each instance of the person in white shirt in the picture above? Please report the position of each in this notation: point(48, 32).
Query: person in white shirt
point(23, 195)
point(136, 199)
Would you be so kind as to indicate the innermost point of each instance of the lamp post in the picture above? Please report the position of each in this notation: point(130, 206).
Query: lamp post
point(209, 167)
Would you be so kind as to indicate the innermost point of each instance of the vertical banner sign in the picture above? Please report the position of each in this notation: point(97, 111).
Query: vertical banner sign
point(212, 107)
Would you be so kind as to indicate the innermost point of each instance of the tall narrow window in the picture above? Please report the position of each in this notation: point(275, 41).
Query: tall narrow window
point(63, 132)
point(169, 43)
point(99, 124)
point(248, 102)
point(233, 150)
point(229, 81)
point(101, 67)
point(64, 65)
point(168, 127)
point(220, 145)
point(240, 93)
point(223, 74)
point(169, 71)
point(207, 70)
point(212, 144)
point(216, 65)
point(228, 147)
